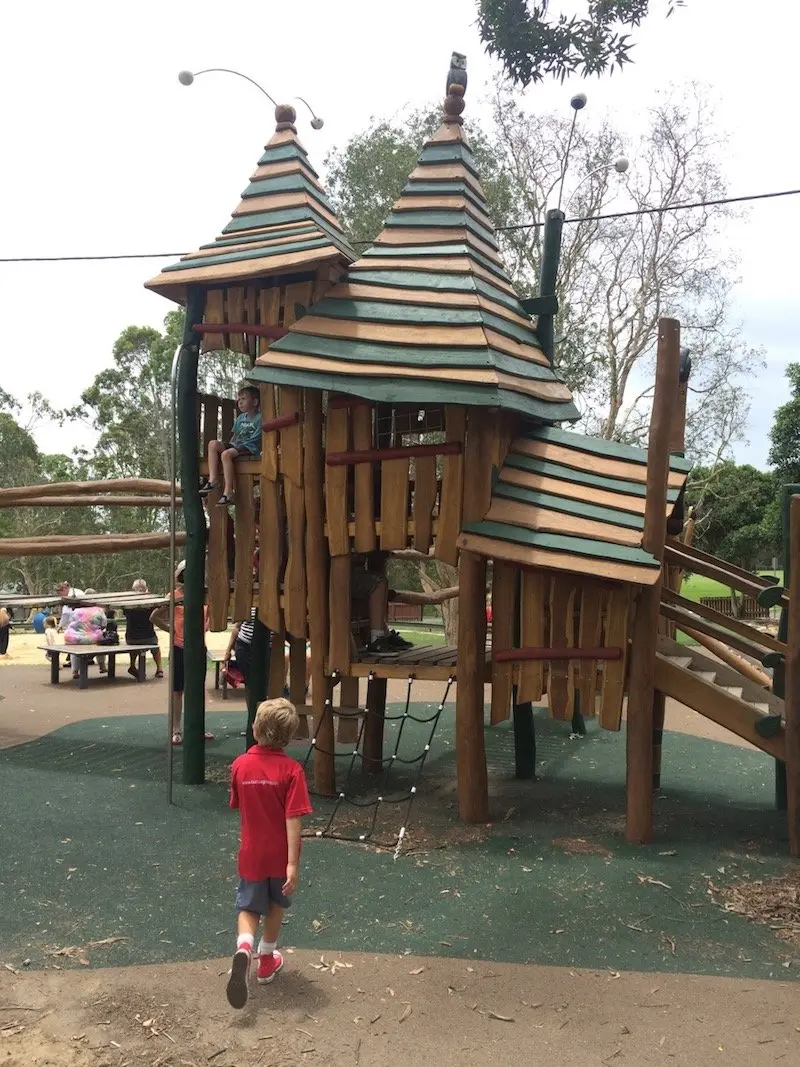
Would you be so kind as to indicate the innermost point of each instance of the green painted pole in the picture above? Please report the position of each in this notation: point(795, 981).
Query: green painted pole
point(194, 644)
point(259, 672)
point(548, 274)
point(779, 670)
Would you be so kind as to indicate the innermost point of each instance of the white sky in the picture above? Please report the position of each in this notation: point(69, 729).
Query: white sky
point(105, 152)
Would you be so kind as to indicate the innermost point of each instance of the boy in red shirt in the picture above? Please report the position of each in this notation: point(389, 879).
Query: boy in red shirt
point(269, 789)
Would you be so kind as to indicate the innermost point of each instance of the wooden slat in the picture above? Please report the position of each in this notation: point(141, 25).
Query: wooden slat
point(210, 421)
point(394, 503)
point(276, 675)
point(725, 622)
point(251, 316)
point(339, 654)
point(228, 415)
point(244, 517)
point(298, 293)
point(214, 313)
point(364, 493)
point(298, 678)
point(450, 500)
point(347, 732)
point(269, 310)
point(479, 449)
point(234, 301)
point(504, 616)
point(337, 440)
point(534, 597)
point(591, 462)
point(561, 689)
point(291, 448)
point(294, 583)
point(269, 551)
point(590, 630)
point(217, 563)
point(617, 614)
point(269, 441)
point(425, 487)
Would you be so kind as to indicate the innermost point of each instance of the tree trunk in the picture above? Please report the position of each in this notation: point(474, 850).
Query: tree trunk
point(438, 575)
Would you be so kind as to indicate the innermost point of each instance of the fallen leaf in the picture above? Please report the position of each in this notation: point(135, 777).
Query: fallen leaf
point(500, 1018)
point(406, 1012)
point(418, 970)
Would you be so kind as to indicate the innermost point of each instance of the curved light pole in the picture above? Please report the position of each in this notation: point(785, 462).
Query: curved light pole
point(186, 77)
point(620, 165)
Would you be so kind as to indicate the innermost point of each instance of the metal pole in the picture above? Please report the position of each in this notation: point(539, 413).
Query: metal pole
point(173, 461)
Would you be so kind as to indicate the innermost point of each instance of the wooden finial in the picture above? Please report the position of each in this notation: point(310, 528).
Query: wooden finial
point(456, 87)
point(285, 116)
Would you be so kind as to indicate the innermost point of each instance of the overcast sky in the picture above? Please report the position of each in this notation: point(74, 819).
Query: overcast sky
point(105, 152)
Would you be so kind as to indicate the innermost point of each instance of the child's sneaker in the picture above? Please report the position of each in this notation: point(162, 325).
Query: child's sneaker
point(237, 983)
point(268, 967)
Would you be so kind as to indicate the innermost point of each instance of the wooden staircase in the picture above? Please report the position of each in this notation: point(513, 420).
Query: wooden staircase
point(721, 694)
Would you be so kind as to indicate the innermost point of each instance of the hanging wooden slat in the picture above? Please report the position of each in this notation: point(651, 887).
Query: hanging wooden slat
point(298, 681)
point(561, 688)
point(291, 436)
point(276, 676)
point(214, 313)
point(425, 486)
point(590, 628)
point(229, 412)
point(339, 648)
point(617, 626)
point(299, 295)
point(269, 553)
point(294, 582)
point(244, 518)
point(394, 504)
point(449, 526)
point(337, 440)
point(234, 312)
point(210, 421)
point(347, 730)
point(534, 598)
point(217, 563)
point(364, 494)
point(480, 446)
point(269, 310)
point(269, 441)
point(504, 613)
point(251, 316)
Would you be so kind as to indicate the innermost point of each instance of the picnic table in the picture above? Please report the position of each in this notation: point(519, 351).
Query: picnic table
point(85, 653)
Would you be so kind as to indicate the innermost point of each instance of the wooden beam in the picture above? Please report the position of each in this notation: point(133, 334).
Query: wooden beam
point(89, 545)
point(641, 688)
point(521, 655)
point(792, 696)
point(254, 329)
point(111, 485)
point(473, 784)
point(110, 501)
point(374, 455)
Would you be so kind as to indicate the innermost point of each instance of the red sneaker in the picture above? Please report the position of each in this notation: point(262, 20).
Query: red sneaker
point(237, 983)
point(268, 967)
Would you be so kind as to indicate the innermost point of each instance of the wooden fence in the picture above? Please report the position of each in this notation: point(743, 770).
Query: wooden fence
point(749, 607)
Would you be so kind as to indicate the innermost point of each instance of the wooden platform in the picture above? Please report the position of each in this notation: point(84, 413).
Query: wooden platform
point(426, 662)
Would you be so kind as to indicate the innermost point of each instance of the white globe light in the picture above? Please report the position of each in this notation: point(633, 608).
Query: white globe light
point(317, 123)
point(185, 77)
point(578, 101)
point(621, 165)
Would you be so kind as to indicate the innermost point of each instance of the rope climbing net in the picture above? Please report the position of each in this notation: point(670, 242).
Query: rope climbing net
point(367, 805)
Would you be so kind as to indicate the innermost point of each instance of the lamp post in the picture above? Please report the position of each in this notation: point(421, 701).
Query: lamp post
point(620, 165)
point(186, 77)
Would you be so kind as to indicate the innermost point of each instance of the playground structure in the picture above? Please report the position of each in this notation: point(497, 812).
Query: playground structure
point(410, 402)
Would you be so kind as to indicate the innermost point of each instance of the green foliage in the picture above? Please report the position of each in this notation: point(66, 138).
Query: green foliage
point(734, 511)
point(367, 175)
point(784, 453)
point(532, 43)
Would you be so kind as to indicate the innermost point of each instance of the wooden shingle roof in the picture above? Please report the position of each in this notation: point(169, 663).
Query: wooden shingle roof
point(283, 225)
point(573, 503)
point(428, 313)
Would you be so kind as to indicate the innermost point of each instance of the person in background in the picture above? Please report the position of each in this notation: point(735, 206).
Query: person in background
point(160, 618)
point(85, 627)
point(245, 441)
point(5, 630)
point(50, 632)
point(38, 621)
point(139, 630)
point(66, 591)
point(238, 653)
point(369, 586)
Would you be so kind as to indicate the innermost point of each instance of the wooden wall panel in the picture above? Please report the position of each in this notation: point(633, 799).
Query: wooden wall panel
point(270, 553)
point(394, 503)
point(617, 628)
point(291, 437)
point(364, 492)
point(339, 606)
point(294, 583)
point(590, 630)
point(235, 313)
point(504, 618)
point(269, 441)
point(269, 313)
point(561, 688)
point(449, 526)
point(244, 517)
point(337, 439)
point(210, 422)
point(425, 487)
point(214, 313)
point(534, 598)
point(481, 445)
point(217, 563)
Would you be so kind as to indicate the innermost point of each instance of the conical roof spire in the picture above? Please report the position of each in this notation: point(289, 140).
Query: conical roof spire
point(428, 313)
point(283, 224)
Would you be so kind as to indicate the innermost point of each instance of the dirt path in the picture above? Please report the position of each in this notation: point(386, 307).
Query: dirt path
point(377, 1010)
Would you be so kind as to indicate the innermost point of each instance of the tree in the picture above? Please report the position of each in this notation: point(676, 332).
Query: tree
point(532, 44)
point(784, 453)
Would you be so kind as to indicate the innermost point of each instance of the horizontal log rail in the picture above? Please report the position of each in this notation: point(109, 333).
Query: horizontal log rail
point(280, 422)
point(736, 626)
point(255, 329)
point(375, 455)
point(706, 557)
point(691, 624)
point(688, 559)
point(85, 545)
point(78, 501)
point(524, 655)
point(110, 485)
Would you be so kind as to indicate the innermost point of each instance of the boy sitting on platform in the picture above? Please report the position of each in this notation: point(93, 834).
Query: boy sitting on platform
point(245, 441)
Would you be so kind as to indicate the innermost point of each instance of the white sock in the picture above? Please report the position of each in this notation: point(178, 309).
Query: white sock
point(244, 942)
point(266, 948)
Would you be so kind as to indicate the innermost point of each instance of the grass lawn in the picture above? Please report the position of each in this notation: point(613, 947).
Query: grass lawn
point(696, 586)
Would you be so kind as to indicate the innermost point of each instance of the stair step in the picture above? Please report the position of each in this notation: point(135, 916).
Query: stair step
point(763, 708)
point(680, 661)
point(734, 690)
point(707, 676)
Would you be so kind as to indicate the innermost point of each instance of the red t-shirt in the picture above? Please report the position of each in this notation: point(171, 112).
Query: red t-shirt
point(268, 787)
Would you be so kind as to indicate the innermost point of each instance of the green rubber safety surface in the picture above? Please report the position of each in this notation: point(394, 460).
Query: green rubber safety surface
point(91, 851)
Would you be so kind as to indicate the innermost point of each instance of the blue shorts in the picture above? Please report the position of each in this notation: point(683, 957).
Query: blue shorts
point(257, 896)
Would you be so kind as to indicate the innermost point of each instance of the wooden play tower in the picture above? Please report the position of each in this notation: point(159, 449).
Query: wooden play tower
point(410, 401)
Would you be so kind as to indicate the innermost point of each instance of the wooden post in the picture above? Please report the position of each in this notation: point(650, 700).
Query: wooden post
point(194, 648)
point(677, 443)
point(473, 784)
point(372, 745)
point(317, 590)
point(645, 631)
point(792, 698)
point(551, 255)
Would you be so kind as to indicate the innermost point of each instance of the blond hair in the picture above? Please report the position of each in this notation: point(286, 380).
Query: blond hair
point(51, 621)
point(139, 586)
point(275, 723)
